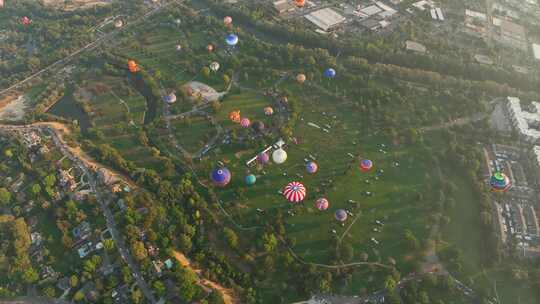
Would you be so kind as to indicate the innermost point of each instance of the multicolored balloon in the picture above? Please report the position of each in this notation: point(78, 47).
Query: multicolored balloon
point(500, 182)
point(366, 165)
point(245, 122)
point(132, 66)
point(312, 167)
point(227, 20)
point(341, 215)
point(26, 21)
point(221, 177)
point(322, 204)
point(294, 192)
point(268, 111)
point(263, 158)
point(210, 48)
point(179, 47)
point(279, 156)
point(330, 73)
point(250, 179)
point(301, 78)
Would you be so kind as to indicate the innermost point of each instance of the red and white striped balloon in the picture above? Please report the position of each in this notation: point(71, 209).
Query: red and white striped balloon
point(294, 192)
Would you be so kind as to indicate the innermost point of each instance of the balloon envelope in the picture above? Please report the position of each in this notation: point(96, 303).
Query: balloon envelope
point(301, 78)
point(341, 215)
point(312, 167)
point(330, 73)
point(263, 158)
point(250, 179)
point(268, 111)
point(279, 156)
point(234, 116)
point(221, 177)
point(227, 20)
point(231, 40)
point(245, 122)
point(500, 182)
point(214, 66)
point(170, 98)
point(294, 192)
point(322, 204)
point(366, 165)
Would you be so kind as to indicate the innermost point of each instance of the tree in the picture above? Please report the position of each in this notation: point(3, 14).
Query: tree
point(390, 284)
point(108, 244)
point(231, 237)
point(184, 241)
point(30, 275)
point(269, 242)
point(5, 196)
point(136, 296)
point(79, 296)
point(36, 189)
point(139, 251)
point(188, 284)
point(159, 287)
point(205, 72)
point(73, 281)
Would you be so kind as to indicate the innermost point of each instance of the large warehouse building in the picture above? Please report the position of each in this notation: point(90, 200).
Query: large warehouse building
point(326, 19)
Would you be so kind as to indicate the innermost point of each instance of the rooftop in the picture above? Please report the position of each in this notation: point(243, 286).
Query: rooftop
point(325, 18)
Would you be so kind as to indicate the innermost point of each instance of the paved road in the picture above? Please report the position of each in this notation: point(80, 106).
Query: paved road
point(101, 198)
point(89, 46)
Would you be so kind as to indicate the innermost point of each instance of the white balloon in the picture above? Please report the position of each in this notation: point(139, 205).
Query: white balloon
point(279, 156)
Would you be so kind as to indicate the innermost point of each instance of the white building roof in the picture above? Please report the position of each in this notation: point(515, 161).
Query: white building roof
point(439, 13)
point(523, 119)
point(325, 18)
point(536, 50)
point(371, 10)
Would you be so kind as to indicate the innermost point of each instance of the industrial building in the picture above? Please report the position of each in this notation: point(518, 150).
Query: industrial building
point(326, 19)
point(283, 6)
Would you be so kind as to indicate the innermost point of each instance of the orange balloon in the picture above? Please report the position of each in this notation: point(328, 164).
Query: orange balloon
point(300, 3)
point(234, 116)
point(132, 66)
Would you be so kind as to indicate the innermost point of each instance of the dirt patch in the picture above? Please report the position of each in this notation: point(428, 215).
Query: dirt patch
point(228, 294)
point(13, 107)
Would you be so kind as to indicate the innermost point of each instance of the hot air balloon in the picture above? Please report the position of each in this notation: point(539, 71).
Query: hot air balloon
point(234, 116)
point(221, 177)
point(279, 156)
point(500, 182)
point(231, 39)
point(330, 73)
point(263, 158)
point(268, 111)
point(245, 122)
point(341, 215)
point(258, 126)
point(214, 66)
point(250, 179)
point(118, 23)
point(312, 167)
point(301, 78)
point(300, 3)
point(26, 21)
point(132, 66)
point(170, 98)
point(322, 204)
point(227, 20)
point(366, 165)
point(294, 192)
point(210, 48)
point(178, 47)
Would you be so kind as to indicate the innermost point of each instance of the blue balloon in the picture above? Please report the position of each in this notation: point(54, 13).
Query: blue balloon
point(251, 179)
point(330, 73)
point(221, 177)
point(231, 39)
